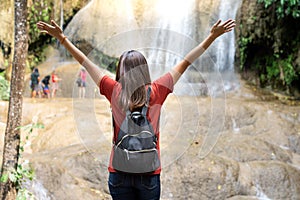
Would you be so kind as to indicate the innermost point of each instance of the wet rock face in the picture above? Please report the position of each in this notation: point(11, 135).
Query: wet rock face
point(102, 20)
point(254, 158)
point(294, 142)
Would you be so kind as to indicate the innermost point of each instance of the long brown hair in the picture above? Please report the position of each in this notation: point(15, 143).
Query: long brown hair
point(133, 74)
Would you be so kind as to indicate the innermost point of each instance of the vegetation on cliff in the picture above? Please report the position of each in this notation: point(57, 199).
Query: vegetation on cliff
point(45, 10)
point(268, 40)
point(38, 11)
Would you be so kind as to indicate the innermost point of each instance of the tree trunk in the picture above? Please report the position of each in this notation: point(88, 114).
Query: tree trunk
point(8, 189)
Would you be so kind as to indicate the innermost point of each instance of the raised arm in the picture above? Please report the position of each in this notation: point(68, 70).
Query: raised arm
point(217, 30)
point(55, 31)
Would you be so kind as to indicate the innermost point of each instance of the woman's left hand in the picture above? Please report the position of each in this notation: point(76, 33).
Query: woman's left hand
point(219, 29)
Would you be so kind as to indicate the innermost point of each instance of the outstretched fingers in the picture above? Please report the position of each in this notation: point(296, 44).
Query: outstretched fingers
point(52, 29)
point(55, 24)
point(217, 23)
point(228, 22)
point(228, 25)
point(43, 26)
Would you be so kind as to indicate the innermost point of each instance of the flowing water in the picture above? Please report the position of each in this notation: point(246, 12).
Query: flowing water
point(164, 31)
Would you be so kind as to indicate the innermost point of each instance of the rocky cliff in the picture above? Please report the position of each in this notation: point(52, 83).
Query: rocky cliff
point(101, 21)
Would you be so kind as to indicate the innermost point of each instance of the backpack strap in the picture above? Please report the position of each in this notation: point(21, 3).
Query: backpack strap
point(128, 112)
point(146, 106)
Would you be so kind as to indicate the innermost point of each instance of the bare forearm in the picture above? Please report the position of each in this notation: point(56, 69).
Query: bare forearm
point(55, 31)
point(217, 30)
point(199, 50)
point(195, 53)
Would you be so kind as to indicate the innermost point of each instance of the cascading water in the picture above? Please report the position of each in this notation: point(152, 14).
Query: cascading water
point(176, 27)
point(176, 35)
point(168, 48)
point(61, 14)
point(173, 37)
point(224, 47)
point(175, 20)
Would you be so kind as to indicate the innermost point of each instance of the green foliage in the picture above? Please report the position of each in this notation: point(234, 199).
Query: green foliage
point(4, 178)
point(243, 44)
point(288, 70)
point(4, 88)
point(278, 71)
point(39, 11)
point(24, 171)
point(284, 7)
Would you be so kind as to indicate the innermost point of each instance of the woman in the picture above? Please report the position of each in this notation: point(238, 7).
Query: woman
point(128, 91)
point(81, 81)
point(54, 80)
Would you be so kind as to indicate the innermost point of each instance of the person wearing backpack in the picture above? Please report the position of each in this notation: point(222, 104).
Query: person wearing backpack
point(34, 82)
point(46, 83)
point(81, 82)
point(136, 103)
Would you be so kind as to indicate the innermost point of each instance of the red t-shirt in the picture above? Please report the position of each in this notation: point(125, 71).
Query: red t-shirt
point(160, 89)
point(54, 78)
point(83, 75)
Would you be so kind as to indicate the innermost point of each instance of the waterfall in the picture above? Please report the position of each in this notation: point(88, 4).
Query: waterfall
point(224, 46)
point(61, 14)
point(176, 35)
point(164, 30)
point(173, 33)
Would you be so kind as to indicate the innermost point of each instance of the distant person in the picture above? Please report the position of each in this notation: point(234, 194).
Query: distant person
point(46, 89)
point(55, 83)
point(40, 90)
point(81, 81)
point(34, 82)
point(133, 96)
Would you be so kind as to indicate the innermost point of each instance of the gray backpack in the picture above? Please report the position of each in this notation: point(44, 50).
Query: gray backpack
point(135, 146)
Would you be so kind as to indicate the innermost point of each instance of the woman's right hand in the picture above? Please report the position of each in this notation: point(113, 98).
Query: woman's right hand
point(53, 29)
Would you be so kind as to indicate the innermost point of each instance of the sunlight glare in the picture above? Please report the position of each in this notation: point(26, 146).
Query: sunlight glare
point(172, 9)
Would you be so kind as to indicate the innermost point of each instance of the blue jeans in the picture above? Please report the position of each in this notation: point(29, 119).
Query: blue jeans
point(124, 186)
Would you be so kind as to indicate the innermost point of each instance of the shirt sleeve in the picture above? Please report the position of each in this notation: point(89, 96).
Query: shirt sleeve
point(163, 86)
point(107, 86)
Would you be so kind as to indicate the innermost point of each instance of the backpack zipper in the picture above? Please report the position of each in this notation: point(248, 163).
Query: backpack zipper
point(134, 135)
point(140, 151)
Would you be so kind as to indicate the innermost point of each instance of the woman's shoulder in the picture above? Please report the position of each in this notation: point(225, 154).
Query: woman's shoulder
point(164, 81)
